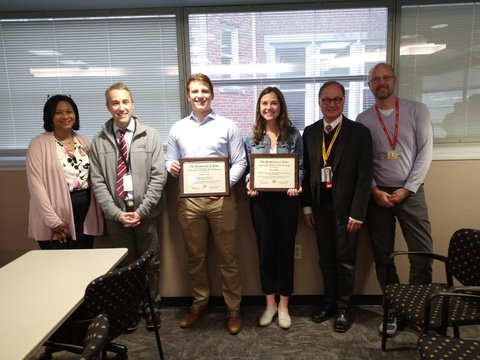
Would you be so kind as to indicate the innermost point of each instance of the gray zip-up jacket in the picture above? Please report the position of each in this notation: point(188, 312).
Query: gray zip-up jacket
point(147, 166)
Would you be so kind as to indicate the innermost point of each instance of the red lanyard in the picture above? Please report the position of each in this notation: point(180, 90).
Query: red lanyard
point(395, 134)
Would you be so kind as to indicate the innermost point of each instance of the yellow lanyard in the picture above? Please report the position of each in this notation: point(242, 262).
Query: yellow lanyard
point(326, 154)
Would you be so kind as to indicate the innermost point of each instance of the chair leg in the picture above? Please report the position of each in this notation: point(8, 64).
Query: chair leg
point(456, 331)
point(120, 350)
point(154, 318)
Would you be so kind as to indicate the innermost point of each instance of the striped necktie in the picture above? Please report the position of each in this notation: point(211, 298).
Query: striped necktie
point(121, 163)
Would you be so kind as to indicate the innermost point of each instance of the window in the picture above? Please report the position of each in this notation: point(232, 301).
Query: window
point(229, 46)
point(297, 51)
point(82, 57)
point(439, 65)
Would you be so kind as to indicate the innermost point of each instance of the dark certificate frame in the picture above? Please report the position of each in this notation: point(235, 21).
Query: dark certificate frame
point(204, 176)
point(273, 172)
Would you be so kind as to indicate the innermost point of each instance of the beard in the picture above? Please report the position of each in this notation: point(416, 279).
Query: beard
point(382, 95)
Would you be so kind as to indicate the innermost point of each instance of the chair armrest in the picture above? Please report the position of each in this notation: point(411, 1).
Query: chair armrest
point(465, 289)
point(439, 257)
point(434, 256)
point(456, 291)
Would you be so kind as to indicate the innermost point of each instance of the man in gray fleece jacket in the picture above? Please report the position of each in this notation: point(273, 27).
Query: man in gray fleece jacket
point(128, 176)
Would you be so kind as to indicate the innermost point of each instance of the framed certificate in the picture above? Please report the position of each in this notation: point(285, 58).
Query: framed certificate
point(204, 177)
point(273, 172)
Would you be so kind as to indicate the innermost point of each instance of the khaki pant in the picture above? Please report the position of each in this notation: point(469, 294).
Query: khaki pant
point(197, 216)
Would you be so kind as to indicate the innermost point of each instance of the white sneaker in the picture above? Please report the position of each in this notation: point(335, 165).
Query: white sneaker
point(267, 316)
point(391, 325)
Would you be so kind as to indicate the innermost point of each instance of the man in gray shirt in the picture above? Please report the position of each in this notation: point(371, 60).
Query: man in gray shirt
point(402, 138)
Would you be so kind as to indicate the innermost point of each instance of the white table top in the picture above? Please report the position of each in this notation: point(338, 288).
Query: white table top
point(40, 289)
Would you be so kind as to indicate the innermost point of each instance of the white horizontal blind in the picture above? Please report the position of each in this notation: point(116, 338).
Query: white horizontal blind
point(81, 57)
point(297, 51)
point(439, 65)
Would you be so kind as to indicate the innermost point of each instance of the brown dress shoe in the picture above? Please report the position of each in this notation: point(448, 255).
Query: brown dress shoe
point(193, 315)
point(234, 322)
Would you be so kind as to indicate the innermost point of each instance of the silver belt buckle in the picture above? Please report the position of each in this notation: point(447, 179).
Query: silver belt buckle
point(129, 206)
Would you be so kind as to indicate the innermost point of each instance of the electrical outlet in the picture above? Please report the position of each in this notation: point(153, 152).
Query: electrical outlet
point(298, 252)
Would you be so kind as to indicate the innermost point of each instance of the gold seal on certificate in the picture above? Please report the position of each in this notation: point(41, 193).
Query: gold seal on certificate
point(207, 176)
point(273, 172)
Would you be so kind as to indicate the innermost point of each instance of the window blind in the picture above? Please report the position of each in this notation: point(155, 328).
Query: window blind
point(81, 57)
point(439, 65)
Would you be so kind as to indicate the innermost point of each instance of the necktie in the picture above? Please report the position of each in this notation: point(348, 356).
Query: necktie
point(328, 129)
point(121, 163)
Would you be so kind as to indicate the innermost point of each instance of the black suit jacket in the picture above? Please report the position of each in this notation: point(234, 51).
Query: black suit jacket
point(352, 169)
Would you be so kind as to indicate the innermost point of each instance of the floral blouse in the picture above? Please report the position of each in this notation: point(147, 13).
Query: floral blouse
point(76, 165)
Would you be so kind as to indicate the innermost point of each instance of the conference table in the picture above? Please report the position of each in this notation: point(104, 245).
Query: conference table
point(41, 289)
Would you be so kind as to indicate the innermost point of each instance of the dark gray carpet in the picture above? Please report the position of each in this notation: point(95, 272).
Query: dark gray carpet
point(305, 340)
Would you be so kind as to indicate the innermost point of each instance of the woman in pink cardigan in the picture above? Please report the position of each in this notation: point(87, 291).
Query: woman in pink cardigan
point(63, 212)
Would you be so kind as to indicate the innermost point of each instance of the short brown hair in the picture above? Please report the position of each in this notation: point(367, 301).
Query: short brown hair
point(200, 77)
point(117, 86)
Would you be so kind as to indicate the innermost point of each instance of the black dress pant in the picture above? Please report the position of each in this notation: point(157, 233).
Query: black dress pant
point(275, 220)
point(337, 250)
point(80, 204)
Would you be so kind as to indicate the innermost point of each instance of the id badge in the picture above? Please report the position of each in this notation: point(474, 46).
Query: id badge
point(326, 174)
point(393, 154)
point(127, 182)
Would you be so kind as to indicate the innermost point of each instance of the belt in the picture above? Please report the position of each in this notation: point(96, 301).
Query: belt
point(129, 206)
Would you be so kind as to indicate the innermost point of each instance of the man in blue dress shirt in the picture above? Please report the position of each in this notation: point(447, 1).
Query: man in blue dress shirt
point(205, 134)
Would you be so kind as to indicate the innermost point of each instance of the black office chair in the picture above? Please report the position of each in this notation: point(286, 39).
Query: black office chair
point(117, 294)
point(95, 338)
point(409, 300)
point(434, 346)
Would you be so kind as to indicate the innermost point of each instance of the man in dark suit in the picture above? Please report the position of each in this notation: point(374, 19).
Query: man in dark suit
point(338, 165)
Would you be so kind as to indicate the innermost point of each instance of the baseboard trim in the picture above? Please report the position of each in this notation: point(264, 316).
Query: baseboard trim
point(259, 300)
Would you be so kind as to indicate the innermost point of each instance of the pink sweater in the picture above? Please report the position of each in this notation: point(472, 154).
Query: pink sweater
point(49, 196)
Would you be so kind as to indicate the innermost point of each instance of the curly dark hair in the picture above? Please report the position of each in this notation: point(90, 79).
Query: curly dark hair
point(284, 124)
point(51, 106)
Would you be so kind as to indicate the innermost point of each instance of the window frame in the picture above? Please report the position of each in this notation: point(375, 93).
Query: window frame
point(15, 159)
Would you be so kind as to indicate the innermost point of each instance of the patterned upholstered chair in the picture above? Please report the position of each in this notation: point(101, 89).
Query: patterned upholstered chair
point(117, 294)
point(436, 346)
point(95, 338)
point(409, 301)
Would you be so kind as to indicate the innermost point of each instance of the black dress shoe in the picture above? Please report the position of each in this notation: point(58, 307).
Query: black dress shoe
point(149, 323)
point(323, 313)
point(343, 322)
point(132, 327)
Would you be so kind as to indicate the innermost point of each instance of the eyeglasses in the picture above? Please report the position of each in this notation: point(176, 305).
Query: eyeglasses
point(385, 78)
point(327, 101)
